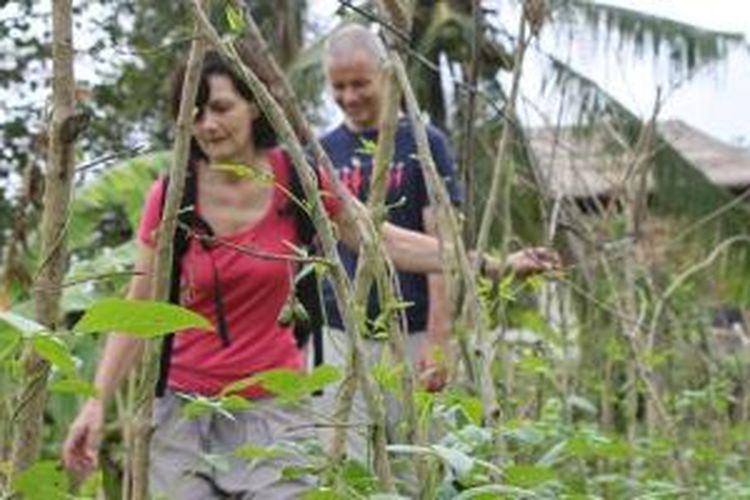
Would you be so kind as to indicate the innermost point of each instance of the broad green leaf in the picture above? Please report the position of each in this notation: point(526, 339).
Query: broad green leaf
point(10, 341)
point(531, 319)
point(534, 365)
point(410, 449)
point(217, 461)
point(321, 377)
point(323, 493)
point(506, 290)
point(74, 386)
point(288, 385)
point(472, 407)
point(238, 386)
point(250, 452)
point(235, 19)
point(367, 146)
point(199, 405)
point(359, 477)
point(42, 481)
point(139, 318)
point(294, 472)
point(93, 484)
point(15, 322)
point(554, 455)
point(387, 375)
point(583, 404)
point(459, 461)
point(495, 491)
point(56, 352)
point(528, 476)
point(235, 403)
point(306, 270)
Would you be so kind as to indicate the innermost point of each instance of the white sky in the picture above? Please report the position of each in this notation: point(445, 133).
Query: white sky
point(716, 99)
point(725, 15)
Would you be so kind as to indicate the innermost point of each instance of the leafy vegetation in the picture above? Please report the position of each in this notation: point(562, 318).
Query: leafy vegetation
point(612, 378)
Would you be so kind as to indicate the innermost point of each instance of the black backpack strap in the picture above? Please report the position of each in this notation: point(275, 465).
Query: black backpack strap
point(181, 243)
point(306, 289)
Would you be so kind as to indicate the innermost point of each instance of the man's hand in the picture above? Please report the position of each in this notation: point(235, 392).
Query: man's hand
point(523, 263)
point(432, 366)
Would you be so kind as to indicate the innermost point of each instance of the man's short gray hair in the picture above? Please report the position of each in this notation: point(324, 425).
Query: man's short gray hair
point(349, 37)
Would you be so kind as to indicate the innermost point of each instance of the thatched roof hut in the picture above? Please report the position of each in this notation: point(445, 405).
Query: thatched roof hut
point(589, 164)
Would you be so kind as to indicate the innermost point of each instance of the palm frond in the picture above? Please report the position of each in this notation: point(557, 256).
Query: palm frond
point(689, 47)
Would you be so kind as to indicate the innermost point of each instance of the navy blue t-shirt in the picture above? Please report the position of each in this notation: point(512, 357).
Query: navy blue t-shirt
point(352, 155)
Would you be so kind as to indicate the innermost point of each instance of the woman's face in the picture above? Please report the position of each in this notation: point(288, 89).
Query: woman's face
point(224, 129)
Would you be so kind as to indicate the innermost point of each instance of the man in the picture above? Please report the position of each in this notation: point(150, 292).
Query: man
point(353, 59)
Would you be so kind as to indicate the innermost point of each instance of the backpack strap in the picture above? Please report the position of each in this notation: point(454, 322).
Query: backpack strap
point(181, 244)
point(306, 289)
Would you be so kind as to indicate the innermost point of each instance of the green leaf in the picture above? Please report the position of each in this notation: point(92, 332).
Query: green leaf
point(250, 452)
point(495, 491)
point(459, 461)
point(528, 476)
point(367, 147)
point(305, 271)
point(42, 481)
point(217, 461)
point(531, 319)
point(235, 403)
point(554, 455)
point(534, 365)
point(10, 341)
point(359, 477)
point(197, 406)
point(288, 385)
point(11, 322)
point(322, 376)
point(294, 472)
point(140, 318)
point(235, 19)
point(582, 404)
point(75, 386)
point(323, 493)
point(56, 352)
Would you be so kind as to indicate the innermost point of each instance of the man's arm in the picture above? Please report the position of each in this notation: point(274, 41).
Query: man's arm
point(435, 350)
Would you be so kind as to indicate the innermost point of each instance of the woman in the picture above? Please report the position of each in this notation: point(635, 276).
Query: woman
point(230, 129)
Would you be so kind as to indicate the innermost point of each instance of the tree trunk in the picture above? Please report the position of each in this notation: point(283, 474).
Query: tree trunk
point(64, 127)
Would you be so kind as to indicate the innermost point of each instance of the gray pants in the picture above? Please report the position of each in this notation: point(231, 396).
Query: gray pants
point(194, 458)
point(334, 352)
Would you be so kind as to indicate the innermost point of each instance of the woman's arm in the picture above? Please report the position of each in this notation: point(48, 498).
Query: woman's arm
point(121, 352)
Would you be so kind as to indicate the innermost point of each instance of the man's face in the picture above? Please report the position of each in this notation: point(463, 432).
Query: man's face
point(355, 83)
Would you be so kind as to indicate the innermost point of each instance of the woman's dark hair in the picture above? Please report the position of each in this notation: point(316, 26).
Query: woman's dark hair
point(213, 65)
